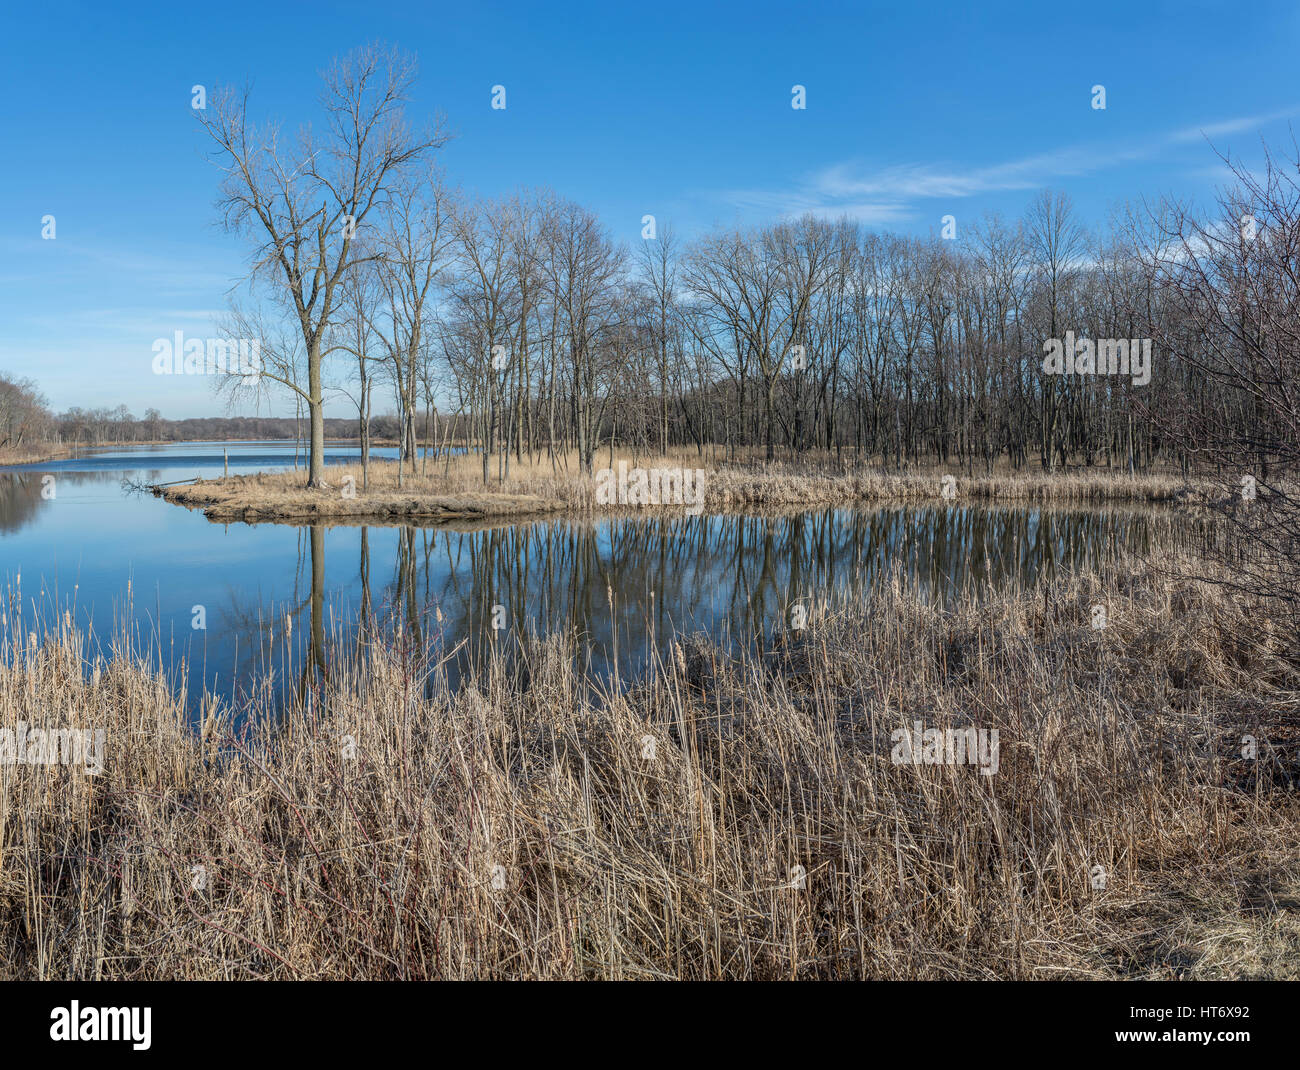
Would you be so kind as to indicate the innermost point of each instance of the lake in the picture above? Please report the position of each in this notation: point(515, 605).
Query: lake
point(75, 538)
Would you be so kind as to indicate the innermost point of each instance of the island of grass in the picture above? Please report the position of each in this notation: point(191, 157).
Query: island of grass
point(454, 489)
point(283, 498)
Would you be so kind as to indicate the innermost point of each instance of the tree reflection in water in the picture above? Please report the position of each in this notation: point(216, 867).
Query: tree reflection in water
point(624, 586)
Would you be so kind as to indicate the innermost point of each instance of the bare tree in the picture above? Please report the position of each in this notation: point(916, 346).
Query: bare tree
point(581, 266)
point(1056, 242)
point(306, 203)
point(1233, 318)
point(415, 243)
point(357, 334)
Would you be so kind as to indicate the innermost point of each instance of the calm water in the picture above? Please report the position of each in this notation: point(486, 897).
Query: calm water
point(734, 576)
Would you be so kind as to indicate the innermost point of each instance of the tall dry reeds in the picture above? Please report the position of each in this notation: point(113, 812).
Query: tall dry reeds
point(726, 817)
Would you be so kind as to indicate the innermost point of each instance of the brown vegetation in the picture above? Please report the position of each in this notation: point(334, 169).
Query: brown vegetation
point(33, 454)
point(673, 858)
point(454, 489)
point(282, 497)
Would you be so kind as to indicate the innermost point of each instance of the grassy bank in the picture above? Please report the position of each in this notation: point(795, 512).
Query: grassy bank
point(33, 454)
point(730, 818)
point(457, 491)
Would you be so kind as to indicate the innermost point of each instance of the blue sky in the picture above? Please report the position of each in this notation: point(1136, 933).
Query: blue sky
point(679, 109)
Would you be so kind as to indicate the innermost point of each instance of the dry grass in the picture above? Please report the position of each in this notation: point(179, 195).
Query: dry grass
point(455, 495)
point(456, 490)
point(33, 454)
point(1119, 748)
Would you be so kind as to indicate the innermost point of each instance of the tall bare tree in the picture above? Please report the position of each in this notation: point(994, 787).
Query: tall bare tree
point(304, 203)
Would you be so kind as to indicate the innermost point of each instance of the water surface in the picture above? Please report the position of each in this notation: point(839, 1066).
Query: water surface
point(74, 538)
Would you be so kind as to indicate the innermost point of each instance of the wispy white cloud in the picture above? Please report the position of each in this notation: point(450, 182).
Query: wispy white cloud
point(917, 181)
point(889, 194)
point(814, 202)
point(1230, 126)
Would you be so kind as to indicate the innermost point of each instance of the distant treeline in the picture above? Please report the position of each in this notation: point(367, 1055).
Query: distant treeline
point(26, 419)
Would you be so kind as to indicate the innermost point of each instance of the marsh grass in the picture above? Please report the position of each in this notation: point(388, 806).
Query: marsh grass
point(655, 832)
point(453, 488)
point(33, 454)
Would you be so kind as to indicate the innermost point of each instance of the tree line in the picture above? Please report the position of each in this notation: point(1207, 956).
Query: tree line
point(540, 335)
point(27, 420)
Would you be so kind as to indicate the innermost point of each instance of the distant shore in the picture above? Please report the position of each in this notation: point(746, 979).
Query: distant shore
point(43, 452)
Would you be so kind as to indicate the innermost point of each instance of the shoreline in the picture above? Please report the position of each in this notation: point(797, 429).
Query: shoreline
point(16, 458)
point(459, 493)
point(360, 510)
